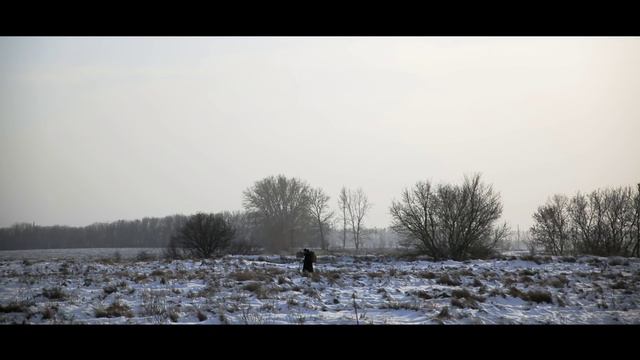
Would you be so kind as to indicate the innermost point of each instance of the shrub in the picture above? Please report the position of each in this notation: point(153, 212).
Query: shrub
point(464, 214)
point(203, 236)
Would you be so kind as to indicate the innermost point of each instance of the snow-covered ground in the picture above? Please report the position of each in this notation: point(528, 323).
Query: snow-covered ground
point(271, 290)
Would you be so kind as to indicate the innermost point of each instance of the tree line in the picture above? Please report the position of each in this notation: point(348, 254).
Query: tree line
point(148, 232)
point(605, 222)
point(443, 221)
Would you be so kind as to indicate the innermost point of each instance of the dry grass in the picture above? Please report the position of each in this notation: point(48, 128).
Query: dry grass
point(394, 305)
point(54, 293)
point(157, 273)
point(527, 272)
point(445, 279)
point(174, 314)
point(422, 294)
point(465, 294)
point(537, 259)
point(559, 281)
point(508, 281)
point(110, 289)
point(426, 274)
point(261, 291)
point(537, 296)
point(444, 313)
point(526, 279)
point(464, 303)
point(619, 285)
point(463, 298)
point(249, 275)
point(465, 272)
point(315, 277)
point(17, 306)
point(202, 316)
point(332, 276)
point(49, 312)
point(116, 309)
point(617, 260)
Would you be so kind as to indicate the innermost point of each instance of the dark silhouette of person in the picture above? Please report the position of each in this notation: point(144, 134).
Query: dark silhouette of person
point(307, 262)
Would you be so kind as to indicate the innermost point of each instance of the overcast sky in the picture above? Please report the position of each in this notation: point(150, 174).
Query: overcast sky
point(100, 129)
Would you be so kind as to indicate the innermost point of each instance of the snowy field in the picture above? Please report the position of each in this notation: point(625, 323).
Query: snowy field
point(98, 288)
point(79, 254)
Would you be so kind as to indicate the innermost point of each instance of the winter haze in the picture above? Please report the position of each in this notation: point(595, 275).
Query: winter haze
point(100, 129)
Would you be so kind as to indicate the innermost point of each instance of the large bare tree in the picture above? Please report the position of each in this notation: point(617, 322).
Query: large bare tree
point(281, 205)
point(551, 228)
point(603, 222)
point(342, 203)
point(319, 210)
point(414, 217)
point(357, 206)
point(635, 251)
point(451, 221)
point(203, 236)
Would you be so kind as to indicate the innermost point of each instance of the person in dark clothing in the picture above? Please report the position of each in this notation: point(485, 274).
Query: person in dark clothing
point(307, 262)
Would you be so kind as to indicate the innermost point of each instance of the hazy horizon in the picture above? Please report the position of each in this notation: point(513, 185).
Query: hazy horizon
point(101, 129)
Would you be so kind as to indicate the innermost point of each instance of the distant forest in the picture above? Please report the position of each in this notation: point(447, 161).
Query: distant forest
point(157, 233)
point(148, 232)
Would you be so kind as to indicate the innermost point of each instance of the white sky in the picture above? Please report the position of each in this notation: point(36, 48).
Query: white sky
point(100, 129)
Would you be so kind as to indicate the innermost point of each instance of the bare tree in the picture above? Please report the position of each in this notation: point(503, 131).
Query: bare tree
point(587, 217)
point(319, 210)
point(342, 203)
point(636, 223)
point(618, 220)
point(581, 222)
point(203, 236)
point(603, 222)
point(451, 221)
point(551, 229)
point(281, 205)
point(415, 218)
point(357, 206)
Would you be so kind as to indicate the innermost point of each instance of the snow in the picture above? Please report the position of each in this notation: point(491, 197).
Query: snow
point(270, 290)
